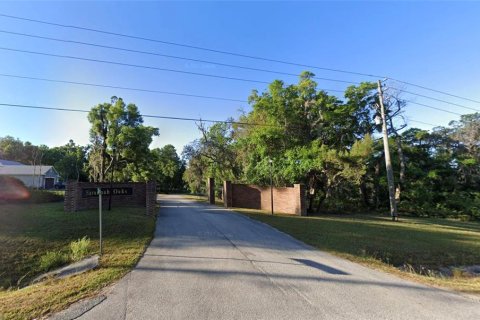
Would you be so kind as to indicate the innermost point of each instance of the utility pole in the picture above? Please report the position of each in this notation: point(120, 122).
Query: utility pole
point(388, 161)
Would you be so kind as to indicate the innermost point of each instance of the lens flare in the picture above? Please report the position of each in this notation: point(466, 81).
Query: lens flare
point(12, 189)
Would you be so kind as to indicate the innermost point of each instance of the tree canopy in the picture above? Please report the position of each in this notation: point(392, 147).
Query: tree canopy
point(333, 146)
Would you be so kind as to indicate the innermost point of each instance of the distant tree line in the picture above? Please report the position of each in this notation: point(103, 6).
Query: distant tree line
point(333, 146)
point(69, 160)
point(118, 151)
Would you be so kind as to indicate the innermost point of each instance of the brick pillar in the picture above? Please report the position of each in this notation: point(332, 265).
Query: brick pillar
point(70, 195)
point(151, 197)
point(211, 190)
point(227, 194)
point(300, 207)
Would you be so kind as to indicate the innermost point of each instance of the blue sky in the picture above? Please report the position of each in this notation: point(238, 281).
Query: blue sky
point(435, 44)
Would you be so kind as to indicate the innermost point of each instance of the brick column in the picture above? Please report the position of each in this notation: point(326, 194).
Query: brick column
point(69, 198)
point(227, 194)
point(151, 197)
point(211, 190)
point(300, 208)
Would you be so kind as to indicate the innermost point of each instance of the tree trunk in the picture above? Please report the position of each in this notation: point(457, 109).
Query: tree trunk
point(103, 162)
point(320, 201)
point(364, 192)
point(326, 194)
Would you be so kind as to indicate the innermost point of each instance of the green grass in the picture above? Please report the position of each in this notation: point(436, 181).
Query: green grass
point(29, 231)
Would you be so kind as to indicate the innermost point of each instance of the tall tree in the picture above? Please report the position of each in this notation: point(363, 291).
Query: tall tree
point(120, 142)
point(168, 168)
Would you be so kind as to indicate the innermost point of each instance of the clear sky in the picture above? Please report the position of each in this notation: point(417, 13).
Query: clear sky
point(436, 44)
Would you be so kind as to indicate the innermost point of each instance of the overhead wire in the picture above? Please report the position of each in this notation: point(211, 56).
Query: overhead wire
point(176, 93)
point(185, 45)
point(180, 71)
point(218, 63)
point(425, 123)
point(215, 63)
point(434, 108)
point(143, 115)
point(172, 56)
point(121, 87)
point(229, 53)
point(439, 100)
point(169, 117)
point(434, 90)
point(141, 66)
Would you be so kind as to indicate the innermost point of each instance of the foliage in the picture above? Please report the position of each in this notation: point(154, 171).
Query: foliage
point(119, 151)
point(79, 248)
point(52, 259)
point(212, 155)
point(167, 169)
point(43, 196)
point(69, 160)
point(120, 143)
point(300, 134)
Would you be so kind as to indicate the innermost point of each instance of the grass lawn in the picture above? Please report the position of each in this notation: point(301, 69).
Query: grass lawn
point(27, 231)
point(423, 243)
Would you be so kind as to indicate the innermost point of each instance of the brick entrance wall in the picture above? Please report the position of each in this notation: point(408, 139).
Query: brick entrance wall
point(142, 194)
point(289, 200)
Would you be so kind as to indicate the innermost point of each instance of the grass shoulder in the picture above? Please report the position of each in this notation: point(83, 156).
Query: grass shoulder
point(29, 231)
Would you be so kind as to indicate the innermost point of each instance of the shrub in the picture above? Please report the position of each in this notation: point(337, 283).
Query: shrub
point(52, 259)
point(79, 248)
point(44, 196)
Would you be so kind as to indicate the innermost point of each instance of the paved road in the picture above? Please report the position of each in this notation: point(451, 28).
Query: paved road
point(208, 263)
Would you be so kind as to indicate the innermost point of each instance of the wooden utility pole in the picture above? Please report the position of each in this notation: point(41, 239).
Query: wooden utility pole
point(388, 161)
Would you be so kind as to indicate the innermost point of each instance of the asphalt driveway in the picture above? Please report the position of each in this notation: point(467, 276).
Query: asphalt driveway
point(210, 263)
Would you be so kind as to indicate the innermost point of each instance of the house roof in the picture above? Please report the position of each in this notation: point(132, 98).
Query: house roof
point(10, 163)
point(24, 170)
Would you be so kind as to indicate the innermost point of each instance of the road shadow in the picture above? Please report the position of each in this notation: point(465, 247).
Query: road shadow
point(321, 266)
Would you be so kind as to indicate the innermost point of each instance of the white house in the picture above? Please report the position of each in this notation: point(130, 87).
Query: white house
point(43, 177)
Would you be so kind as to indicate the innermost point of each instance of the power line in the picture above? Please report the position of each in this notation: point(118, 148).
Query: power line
point(231, 53)
point(121, 88)
point(215, 63)
point(143, 115)
point(176, 93)
point(435, 108)
point(131, 65)
point(167, 117)
point(434, 90)
point(171, 56)
point(426, 123)
point(142, 66)
point(187, 46)
point(435, 99)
